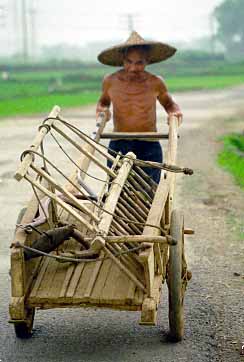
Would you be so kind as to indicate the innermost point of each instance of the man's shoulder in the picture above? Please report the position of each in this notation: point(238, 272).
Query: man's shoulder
point(158, 79)
point(111, 76)
point(109, 79)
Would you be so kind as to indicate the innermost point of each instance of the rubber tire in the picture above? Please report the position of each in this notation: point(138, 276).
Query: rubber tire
point(175, 293)
point(23, 329)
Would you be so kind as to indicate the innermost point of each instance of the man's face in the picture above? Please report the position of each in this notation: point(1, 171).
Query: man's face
point(135, 62)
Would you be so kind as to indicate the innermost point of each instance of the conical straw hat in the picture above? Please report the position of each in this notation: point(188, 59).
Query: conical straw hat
point(157, 51)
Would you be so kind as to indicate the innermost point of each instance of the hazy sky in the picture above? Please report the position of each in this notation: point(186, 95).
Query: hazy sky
point(79, 22)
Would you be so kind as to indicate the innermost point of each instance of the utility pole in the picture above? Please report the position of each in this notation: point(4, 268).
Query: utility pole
point(212, 33)
point(129, 19)
point(16, 26)
point(24, 30)
point(33, 32)
point(130, 22)
point(2, 16)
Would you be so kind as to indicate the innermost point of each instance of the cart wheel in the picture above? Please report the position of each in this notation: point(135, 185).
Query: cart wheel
point(24, 329)
point(174, 277)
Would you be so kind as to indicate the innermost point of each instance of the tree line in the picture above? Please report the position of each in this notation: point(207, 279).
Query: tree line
point(230, 31)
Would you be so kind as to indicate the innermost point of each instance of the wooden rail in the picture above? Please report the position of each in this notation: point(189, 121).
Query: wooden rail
point(25, 163)
point(156, 212)
point(135, 135)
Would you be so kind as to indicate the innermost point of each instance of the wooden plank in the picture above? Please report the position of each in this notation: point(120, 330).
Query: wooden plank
point(74, 272)
point(83, 282)
point(79, 304)
point(92, 280)
point(40, 276)
point(72, 268)
point(105, 271)
point(130, 293)
point(75, 280)
point(67, 279)
point(46, 283)
point(123, 291)
point(98, 240)
point(128, 260)
point(58, 280)
point(108, 294)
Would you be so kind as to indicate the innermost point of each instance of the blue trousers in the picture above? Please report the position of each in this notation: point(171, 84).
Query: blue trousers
point(144, 150)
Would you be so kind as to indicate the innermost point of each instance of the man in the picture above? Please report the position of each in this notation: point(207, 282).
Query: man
point(133, 93)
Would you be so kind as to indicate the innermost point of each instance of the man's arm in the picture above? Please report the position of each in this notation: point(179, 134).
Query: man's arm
point(104, 101)
point(167, 101)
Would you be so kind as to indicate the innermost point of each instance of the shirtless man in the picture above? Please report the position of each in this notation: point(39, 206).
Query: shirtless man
point(133, 93)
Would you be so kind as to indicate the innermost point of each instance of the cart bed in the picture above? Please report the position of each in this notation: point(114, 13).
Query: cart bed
point(94, 283)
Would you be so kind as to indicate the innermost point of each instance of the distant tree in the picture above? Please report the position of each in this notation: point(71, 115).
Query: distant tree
point(230, 18)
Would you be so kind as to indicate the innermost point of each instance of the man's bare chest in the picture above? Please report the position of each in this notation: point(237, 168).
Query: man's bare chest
point(132, 92)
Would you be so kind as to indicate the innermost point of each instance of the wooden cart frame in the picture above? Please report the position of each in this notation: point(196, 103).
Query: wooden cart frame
point(131, 281)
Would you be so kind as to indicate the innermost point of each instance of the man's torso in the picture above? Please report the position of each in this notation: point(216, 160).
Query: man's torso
point(134, 102)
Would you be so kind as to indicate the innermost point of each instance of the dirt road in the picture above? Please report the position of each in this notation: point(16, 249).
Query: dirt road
point(213, 206)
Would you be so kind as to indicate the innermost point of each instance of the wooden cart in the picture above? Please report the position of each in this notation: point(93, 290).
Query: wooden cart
point(135, 239)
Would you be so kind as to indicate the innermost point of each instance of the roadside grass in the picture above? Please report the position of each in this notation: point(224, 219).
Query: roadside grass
point(235, 224)
point(231, 157)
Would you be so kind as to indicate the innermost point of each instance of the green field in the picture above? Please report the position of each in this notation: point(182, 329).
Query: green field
point(231, 158)
point(43, 104)
point(35, 89)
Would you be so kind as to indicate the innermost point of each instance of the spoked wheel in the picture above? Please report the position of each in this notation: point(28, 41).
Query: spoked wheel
point(176, 277)
point(23, 329)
